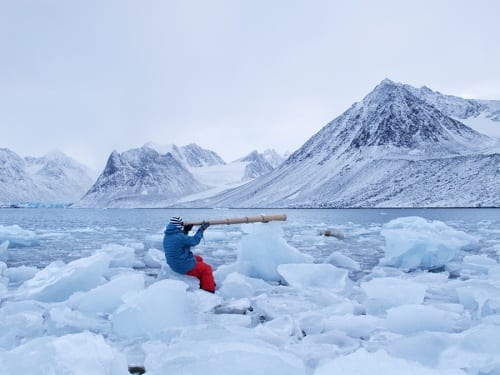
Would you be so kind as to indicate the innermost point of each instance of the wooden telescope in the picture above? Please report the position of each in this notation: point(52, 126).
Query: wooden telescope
point(241, 220)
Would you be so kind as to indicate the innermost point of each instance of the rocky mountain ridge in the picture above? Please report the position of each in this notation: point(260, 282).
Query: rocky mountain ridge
point(160, 175)
point(392, 149)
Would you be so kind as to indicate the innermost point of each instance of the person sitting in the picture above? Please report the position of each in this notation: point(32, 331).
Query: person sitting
point(177, 247)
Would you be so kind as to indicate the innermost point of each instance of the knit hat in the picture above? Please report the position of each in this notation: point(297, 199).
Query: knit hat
point(177, 222)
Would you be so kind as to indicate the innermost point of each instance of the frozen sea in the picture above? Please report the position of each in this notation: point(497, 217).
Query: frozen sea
point(405, 291)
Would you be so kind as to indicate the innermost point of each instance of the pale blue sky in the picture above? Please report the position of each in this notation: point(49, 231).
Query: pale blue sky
point(90, 76)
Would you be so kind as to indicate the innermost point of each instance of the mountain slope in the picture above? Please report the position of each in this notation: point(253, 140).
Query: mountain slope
point(158, 175)
point(53, 178)
point(392, 149)
point(190, 155)
point(140, 178)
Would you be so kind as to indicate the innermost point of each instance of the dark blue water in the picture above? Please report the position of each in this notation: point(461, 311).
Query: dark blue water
point(68, 234)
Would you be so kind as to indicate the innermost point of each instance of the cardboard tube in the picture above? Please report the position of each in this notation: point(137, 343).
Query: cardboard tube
point(241, 220)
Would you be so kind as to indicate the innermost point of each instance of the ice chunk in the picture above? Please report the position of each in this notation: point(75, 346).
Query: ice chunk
point(358, 326)
point(414, 242)
point(236, 286)
point(121, 256)
point(4, 281)
point(58, 280)
point(62, 319)
point(215, 235)
point(224, 357)
point(164, 304)
point(238, 306)
point(362, 362)
point(80, 354)
point(476, 349)
point(20, 274)
point(20, 321)
point(154, 258)
point(107, 297)
point(280, 331)
point(386, 292)
point(416, 318)
point(17, 236)
point(474, 295)
point(154, 241)
point(314, 276)
point(343, 261)
point(476, 265)
point(3, 251)
point(263, 249)
point(430, 346)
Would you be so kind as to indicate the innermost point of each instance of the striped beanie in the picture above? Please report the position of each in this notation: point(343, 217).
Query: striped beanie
point(177, 222)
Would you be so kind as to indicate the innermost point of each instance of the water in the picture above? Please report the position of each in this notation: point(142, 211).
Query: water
point(68, 234)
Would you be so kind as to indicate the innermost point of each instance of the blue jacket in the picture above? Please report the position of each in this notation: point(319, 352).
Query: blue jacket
point(177, 246)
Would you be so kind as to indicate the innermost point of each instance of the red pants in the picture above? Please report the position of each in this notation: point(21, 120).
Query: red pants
point(203, 272)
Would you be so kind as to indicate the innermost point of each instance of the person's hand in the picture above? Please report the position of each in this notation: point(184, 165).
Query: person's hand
point(204, 225)
point(187, 228)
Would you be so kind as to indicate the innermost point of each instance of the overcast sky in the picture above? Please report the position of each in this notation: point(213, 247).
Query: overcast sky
point(90, 76)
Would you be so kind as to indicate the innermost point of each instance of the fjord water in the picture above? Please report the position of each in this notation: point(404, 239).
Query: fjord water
point(69, 234)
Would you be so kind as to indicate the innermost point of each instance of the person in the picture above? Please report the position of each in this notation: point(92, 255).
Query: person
point(177, 247)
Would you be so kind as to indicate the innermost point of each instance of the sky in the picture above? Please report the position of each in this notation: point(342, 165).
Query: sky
point(89, 77)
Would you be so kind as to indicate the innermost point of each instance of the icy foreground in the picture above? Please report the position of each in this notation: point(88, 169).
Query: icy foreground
point(275, 311)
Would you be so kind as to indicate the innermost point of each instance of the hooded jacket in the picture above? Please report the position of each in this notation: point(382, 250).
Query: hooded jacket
point(177, 248)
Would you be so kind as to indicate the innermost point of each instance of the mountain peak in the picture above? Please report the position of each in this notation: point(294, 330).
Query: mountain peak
point(191, 155)
point(387, 81)
point(399, 146)
point(398, 119)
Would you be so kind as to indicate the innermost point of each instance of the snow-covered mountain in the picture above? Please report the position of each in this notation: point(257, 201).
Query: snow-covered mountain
point(256, 166)
point(140, 178)
point(51, 179)
point(190, 155)
point(273, 158)
point(230, 175)
point(159, 175)
point(395, 148)
point(481, 115)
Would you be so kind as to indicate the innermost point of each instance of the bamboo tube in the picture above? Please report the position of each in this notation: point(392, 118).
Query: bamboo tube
point(241, 220)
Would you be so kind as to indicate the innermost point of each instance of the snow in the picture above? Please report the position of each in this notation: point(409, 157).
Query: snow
point(277, 309)
point(484, 124)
